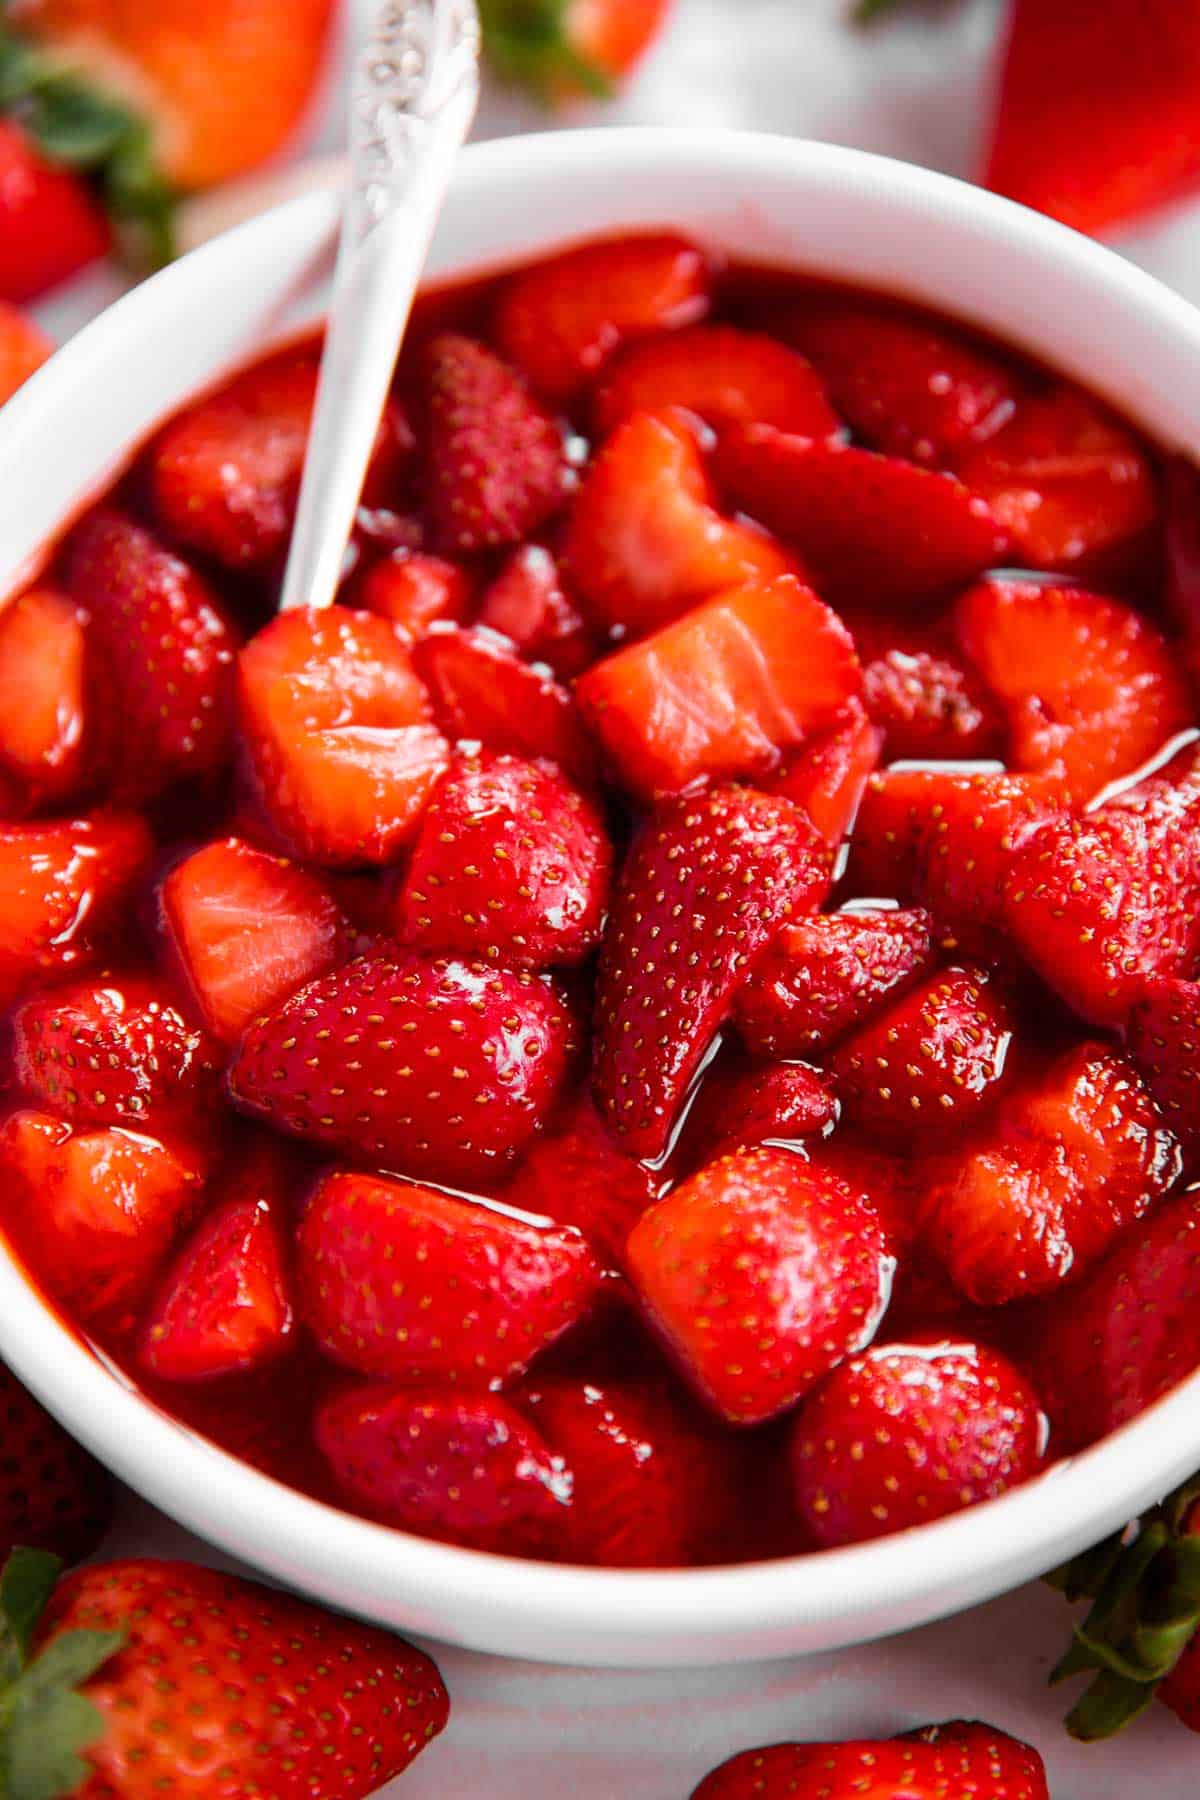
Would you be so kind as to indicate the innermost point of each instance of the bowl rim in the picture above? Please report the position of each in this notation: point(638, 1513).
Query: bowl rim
point(820, 1600)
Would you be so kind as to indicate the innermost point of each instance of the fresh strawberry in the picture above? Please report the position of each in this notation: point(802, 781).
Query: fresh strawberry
point(1163, 1037)
point(23, 348)
point(645, 541)
point(559, 320)
point(53, 1495)
point(723, 376)
point(771, 1103)
point(413, 1284)
point(43, 698)
point(931, 1061)
point(822, 977)
point(164, 682)
point(496, 465)
point(1089, 685)
point(577, 1177)
point(567, 48)
point(947, 1761)
point(706, 884)
point(339, 748)
point(828, 776)
point(51, 224)
point(429, 1065)
point(924, 695)
point(761, 1272)
point(724, 690)
point(874, 531)
point(1067, 1163)
point(246, 929)
point(528, 604)
point(414, 591)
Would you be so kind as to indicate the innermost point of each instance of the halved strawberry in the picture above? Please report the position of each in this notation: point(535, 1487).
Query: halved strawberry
point(775, 1102)
point(1089, 685)
point(1067, 1163)
point(412, 1284)
point(828, 776)
point(246, 929)
point(723, 376)
point(339, 747)
point(954, 1760)
point(560, 319)
point(761, 1272)
point(874, 531)
point(1163, 1037)
point(414, 591)
point(43, 694)
point(645, 541)
point(824, 976)
point(65, 886)
point(577, 1177)
point(724, 690)
point(528, 604)
point(511, 863)
point(426, 1064)
point(925, 696)
point(706, 884)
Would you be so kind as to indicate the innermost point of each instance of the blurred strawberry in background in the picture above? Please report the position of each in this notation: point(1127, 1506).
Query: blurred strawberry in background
point(566, 48)
point(23, 348)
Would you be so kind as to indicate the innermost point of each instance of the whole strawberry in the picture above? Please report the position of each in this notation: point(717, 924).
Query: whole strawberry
point(958, 1761)
point(53, 1495)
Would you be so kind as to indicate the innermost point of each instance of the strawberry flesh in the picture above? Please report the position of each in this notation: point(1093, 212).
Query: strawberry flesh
point(528, 604)
point(781, 1102)
point(43, 695)
point(415, 591)
point(723, 376)
point(827, 777)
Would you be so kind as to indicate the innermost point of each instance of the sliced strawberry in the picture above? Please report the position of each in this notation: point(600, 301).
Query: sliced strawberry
point(339, 747)
point(824, 976)
point(1090, 686)
point(925, 696)
point(412, 1284)
point(762, 1272)
point(723, 376)
point(1163, 1037)
point(511, 863)
point(23, 348)
point(724, 690)
point(425, 1064)
point(560, 319)
point(415, 591)
point(51, 223)
point(970, 1760)
point(828, 777)
point(43, 694)
point(577, 1177)
point(874, 531)
point(706, 883)
point(645, 541)
point(780, 1102)
point(528, 604)
point(1064, 1167)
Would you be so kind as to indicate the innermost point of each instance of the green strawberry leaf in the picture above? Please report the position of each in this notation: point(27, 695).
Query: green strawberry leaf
point(526, 42)
point(26, 1584)
point(74, 126)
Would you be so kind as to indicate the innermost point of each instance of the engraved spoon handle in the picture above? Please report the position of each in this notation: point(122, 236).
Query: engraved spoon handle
point(413, 98)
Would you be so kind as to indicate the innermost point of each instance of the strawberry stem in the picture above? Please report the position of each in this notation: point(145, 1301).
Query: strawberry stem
point(527, 41)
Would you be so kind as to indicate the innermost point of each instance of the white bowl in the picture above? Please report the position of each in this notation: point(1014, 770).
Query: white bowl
point(831, 211)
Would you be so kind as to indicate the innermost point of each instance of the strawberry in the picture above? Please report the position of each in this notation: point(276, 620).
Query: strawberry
point(828, 776)
point(873, 530)
point(433, 1066)
point(478, 1293)
point(1067, 1163)
point(165, 651)
point(706, 883)
point(924, 695)
point(1163, 1037)
point(23, 348)
point(823, 977)
point(724, 690)
point(53, 1495)
point(560, 319)
point(566, 48)
point(246, 929)
point(338, 747)
point(931, 1061)
point(51, 224)
point(577, 1177)
point(528, 604)
point(1181, 498)
point(1089, 685)
point(761, 1273)
point(645, 541)
point(43, 699)
point(496, 466)
point(909, 1432)
point(944, 1763)
point(778, 1102)
point(415, 591)
point(908, 386)
point(723, 376)
point(511, 863)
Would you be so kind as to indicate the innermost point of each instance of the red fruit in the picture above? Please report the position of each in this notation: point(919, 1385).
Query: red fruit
point(1182, 548)
point(873, 531)
point(645, 541)
point(43, 705)
point(53, 1495)
point(496, 468)
point(428, 1065)
point(246, 929)
point(51, 225)
point(827, 778)
point(560, 319)
point(412, 1284)
point(762, 1272)
point(724, 690)
point(528, 604)
point(511, 863)
point(577, 1177)
point(1090, 686)
point(579, 48)
point(723, 376)
point(909, 1432)
point(706, 884)
point(924, 695)
point(1163, 1038)
point(934, 1059)
point(943, 1763)
point(1066, 1165)
point(338, 743)
point(824, 976)
point(415, 591)
point(780, 1102)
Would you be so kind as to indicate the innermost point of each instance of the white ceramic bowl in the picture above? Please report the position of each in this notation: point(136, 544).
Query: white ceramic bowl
point(831, 211)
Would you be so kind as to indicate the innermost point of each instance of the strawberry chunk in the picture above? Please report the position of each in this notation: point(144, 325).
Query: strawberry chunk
point(645, 541)
point(43, 695)
point(782, 1102)
point(1066, 1165)
point(1163, 1037)
point(511, 863)
point(724, 690)
point(428, 1065)
point(65, 887)
point(246, 929)
point(824, 976)
point(873, 530)
point(528, 604)
point(723, 376)
point(560, 319)
point(828, 777)
point(415, 591)
point(481, 1293)
point(924, 695)
point(577, 1177)
point(340, 751)
point(762, 1272)
point(706, 884)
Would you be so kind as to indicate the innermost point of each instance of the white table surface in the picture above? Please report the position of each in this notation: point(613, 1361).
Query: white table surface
point(519, 1731)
